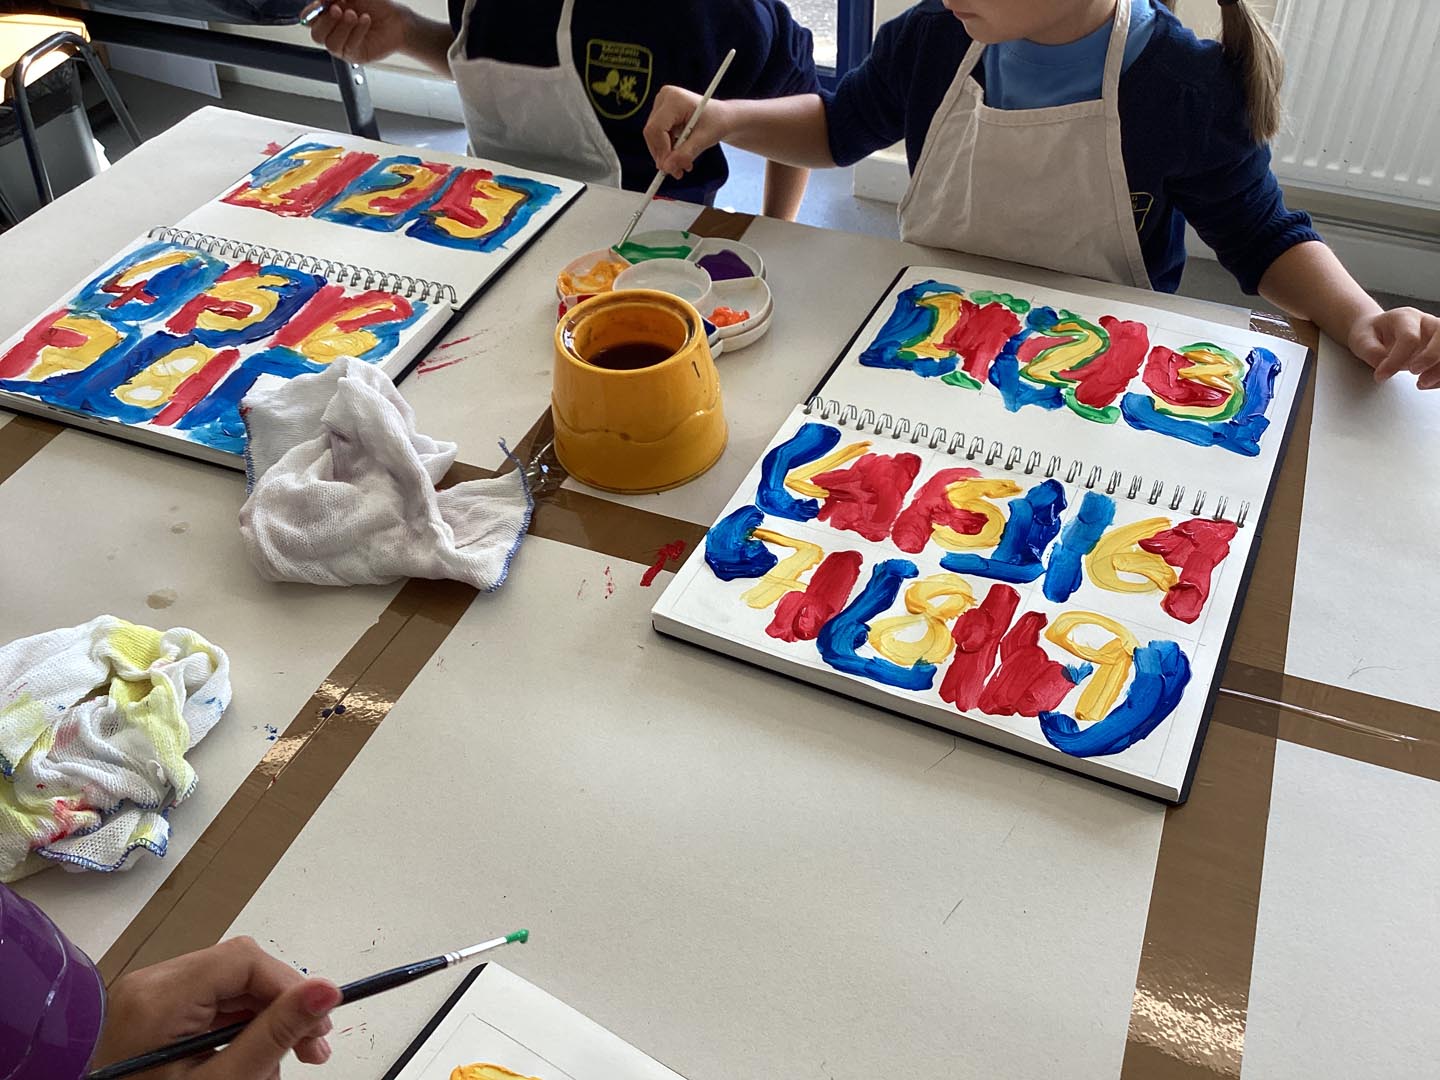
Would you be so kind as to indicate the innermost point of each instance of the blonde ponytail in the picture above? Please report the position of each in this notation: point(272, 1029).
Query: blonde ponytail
point(1252, 48)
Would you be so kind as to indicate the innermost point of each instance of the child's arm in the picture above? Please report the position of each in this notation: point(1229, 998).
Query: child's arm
point(364, 31)
point(1310, 282)
point(789, 130)
point(784, 189)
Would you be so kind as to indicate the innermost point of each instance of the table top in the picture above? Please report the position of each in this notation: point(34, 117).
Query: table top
point(735, 872)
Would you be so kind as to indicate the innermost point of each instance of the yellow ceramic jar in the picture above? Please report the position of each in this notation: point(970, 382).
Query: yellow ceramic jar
point(627, 428)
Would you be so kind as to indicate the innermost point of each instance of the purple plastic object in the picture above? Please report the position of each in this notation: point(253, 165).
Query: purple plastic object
point(725, 266)
point(52, 1002)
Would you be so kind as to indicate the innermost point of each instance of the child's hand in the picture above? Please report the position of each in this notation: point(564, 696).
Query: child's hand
point(668, 116)
point(203, 990)
point(1401, 340)
point(361, 31)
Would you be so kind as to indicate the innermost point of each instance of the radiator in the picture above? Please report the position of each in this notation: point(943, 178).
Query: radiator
point(1362, 98)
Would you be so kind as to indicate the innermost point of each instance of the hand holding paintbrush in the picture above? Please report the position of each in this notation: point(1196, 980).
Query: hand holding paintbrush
point(684, 134)
point(204, 988)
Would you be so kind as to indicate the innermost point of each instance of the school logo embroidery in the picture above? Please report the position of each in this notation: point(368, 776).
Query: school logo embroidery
point(1140, 203)
point(617, 75)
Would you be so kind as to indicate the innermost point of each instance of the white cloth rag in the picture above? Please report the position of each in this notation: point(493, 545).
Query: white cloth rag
point(342, 489)
point(95, 721)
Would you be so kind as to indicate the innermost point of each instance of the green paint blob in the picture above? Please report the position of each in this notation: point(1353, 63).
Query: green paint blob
point(522, 936)
point(1014, 303)
point(960, 378)
point(641, 252)
point(1107, 414)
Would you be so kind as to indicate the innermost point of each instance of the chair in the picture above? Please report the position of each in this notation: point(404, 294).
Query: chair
point(32, 46)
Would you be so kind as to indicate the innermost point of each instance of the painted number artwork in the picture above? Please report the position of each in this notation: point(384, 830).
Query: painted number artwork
point(171, 338)
point(470, 209)
point(1104, 370)
point(999, 595)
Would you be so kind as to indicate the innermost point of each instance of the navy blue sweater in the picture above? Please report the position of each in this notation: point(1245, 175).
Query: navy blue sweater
point(1184, 136)
point(626, 52)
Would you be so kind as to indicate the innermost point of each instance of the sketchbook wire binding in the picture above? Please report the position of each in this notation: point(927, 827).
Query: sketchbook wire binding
point(339, 273)
point(937, 438)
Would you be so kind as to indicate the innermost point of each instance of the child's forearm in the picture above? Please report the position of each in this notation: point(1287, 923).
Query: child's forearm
point(790, 130)
point(1308, 281)
point(784, 190)
point(428, 41)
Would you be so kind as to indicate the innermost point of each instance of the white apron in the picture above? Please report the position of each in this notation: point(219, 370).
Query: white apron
point(1039, 186)
point(536, 118)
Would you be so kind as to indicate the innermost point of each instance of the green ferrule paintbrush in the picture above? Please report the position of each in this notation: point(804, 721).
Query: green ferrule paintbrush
point(361, 988)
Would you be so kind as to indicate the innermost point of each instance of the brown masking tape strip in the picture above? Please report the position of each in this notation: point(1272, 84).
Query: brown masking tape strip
point(587, 521)
point(721, 224)
point(215, 880)
point(1347, 723)
point(1192, 989)
point(21, 439)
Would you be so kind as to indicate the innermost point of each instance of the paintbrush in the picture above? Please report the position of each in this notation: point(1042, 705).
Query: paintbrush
point(684, 134)
point(314, 13)
point(361, 988)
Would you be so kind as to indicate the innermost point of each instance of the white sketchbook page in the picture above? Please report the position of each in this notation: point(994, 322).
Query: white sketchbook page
point(1157, 764)
point(389, 252)
point(412, 341)
point(1117, 446)
point(504, 1020)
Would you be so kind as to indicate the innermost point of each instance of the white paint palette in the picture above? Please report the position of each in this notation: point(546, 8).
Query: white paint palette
point(736, 271)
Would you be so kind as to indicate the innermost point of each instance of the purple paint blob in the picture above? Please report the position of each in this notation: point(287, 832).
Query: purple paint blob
point(725, 266)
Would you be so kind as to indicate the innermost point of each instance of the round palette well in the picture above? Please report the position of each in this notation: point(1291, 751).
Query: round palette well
point(746, 294)
point(747, 337)
point(727, 260)
point(679, 277)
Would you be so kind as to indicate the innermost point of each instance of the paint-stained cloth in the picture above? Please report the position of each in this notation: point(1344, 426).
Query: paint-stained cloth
point(95, 723)
point(342, 489)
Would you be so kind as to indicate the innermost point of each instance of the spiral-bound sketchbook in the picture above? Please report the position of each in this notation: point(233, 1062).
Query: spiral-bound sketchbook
point(334, 246)
point(497, 1026)
point(1022, 515)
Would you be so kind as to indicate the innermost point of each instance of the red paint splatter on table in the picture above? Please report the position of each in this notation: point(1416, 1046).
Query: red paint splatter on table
point(428, 367)
point(457, 341)
point(671, 551)
point(272, 148)
point(609, 584)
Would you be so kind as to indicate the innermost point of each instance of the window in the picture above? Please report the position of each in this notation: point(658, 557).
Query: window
point(842, 29)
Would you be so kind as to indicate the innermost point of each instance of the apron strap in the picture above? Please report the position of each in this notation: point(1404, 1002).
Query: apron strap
point(971, 59)
point(563, 46)
point(1115, 53)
